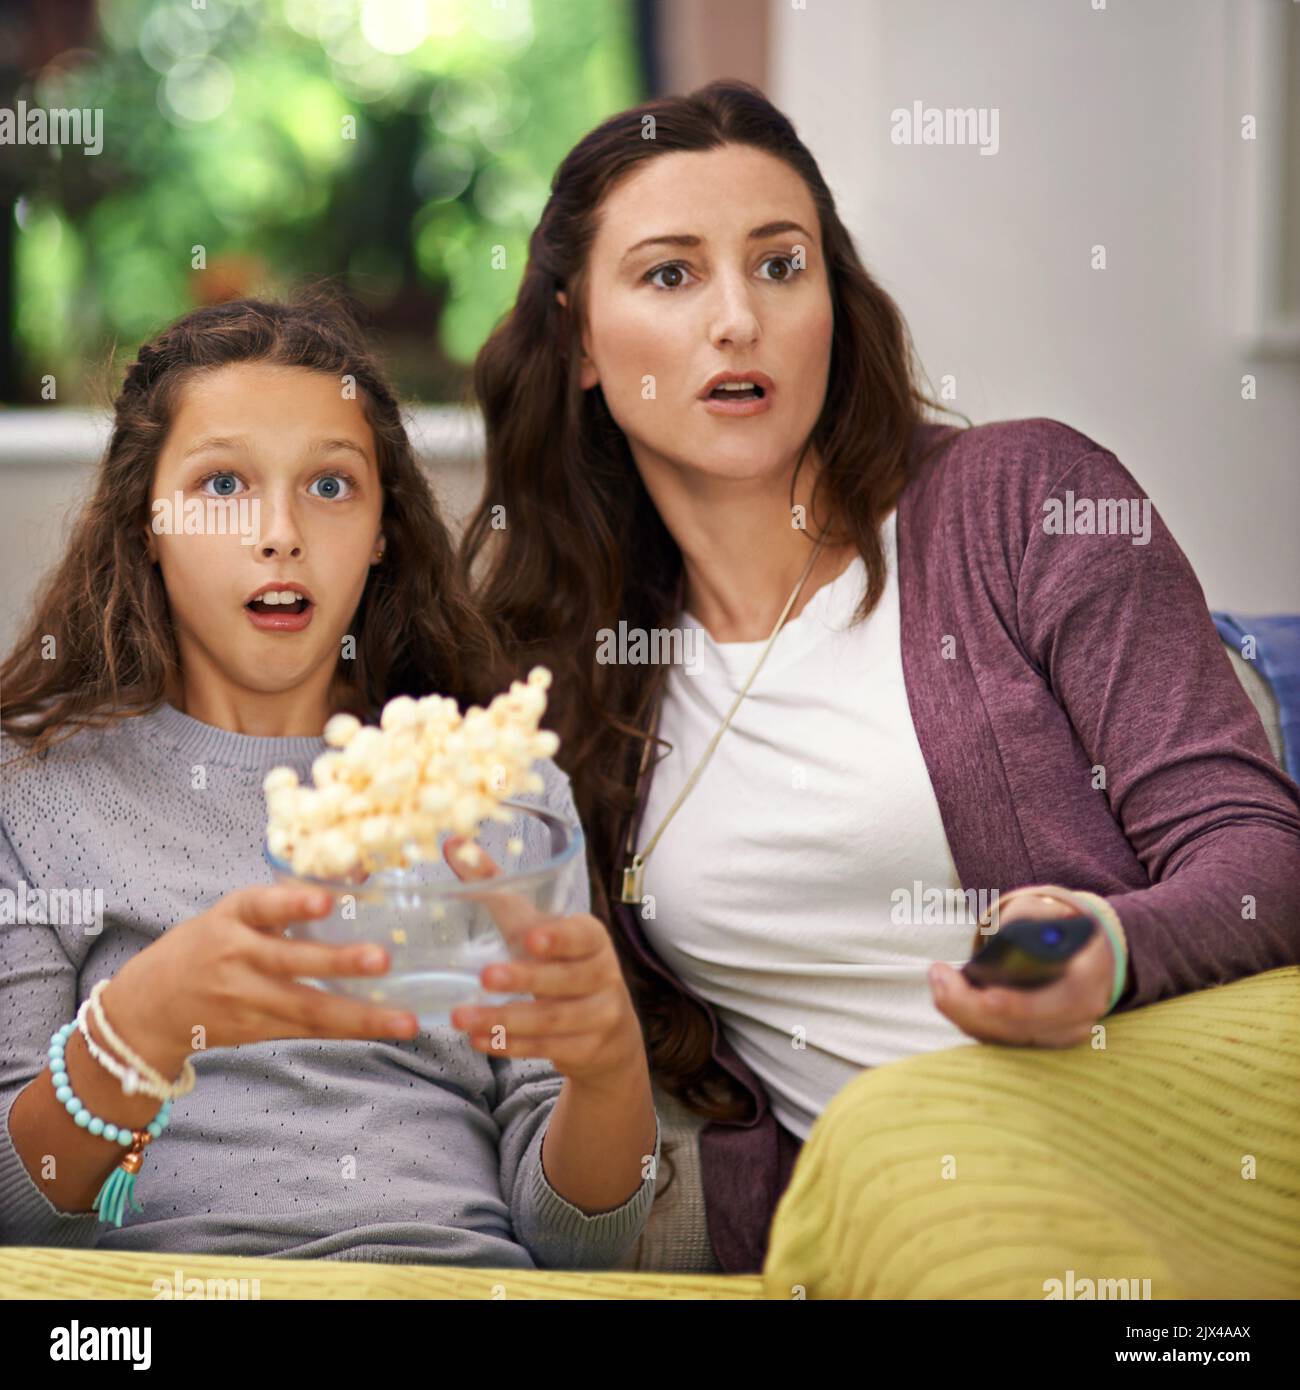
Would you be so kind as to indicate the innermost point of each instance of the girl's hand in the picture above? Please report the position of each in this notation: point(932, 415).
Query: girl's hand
point(230, 973)
point(581, 1016)
point(1057, 1015)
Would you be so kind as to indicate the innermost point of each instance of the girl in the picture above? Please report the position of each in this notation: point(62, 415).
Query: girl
point(908, 672)
point(151, 693)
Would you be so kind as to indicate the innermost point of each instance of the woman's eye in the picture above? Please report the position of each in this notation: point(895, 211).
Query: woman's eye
point(791, 269)
point(676, 268)
point(224, 484)
point(673, 268)
point(333, 486)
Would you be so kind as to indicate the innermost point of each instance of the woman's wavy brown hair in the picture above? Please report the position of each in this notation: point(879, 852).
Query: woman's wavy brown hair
point(584, 546)
point(99, 643)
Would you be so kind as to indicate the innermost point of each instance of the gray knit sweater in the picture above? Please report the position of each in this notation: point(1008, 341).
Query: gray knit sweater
point(425, 1151)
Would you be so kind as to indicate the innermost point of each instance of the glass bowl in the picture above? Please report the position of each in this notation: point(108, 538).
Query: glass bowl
point(440, 932)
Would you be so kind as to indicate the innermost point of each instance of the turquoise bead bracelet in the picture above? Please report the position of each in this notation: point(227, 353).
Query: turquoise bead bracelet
point(118, 1190)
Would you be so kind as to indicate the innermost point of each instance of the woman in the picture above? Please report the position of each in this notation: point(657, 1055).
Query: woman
point(996, 668)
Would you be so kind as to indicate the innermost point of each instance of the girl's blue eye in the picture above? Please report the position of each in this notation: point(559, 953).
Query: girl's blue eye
point(221, 480)
point(331, 486)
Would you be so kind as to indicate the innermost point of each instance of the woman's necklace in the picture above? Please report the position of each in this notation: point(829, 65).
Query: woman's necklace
point(634, 872)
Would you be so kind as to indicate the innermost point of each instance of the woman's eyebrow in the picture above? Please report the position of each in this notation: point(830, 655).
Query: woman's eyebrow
point(682, 239)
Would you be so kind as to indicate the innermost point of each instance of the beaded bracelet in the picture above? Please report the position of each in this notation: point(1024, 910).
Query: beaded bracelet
point(133, 1082)
point(139, 1075)
point(118, 1190)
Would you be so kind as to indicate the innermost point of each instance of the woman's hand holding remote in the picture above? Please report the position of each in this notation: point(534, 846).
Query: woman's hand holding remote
point(1058, 1015)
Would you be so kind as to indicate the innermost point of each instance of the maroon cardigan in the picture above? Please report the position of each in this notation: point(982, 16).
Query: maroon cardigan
point(1030, 659)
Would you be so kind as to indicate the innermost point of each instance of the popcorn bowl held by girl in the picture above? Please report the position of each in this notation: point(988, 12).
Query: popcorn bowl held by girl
point(371, 832)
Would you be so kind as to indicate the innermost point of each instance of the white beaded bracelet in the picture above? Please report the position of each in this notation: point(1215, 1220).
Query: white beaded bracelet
point(137, 1076)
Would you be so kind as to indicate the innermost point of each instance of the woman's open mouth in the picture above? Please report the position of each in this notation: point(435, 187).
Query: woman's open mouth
point(280, 610)
point(738, 398)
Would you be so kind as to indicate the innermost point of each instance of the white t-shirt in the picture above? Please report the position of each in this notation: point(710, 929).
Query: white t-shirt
point(773, 889)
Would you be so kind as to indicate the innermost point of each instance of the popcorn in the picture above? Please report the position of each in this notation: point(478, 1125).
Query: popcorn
point(363, 747)
point(433, 798)
point(325, 769)
point(340, 729)
point(401, 712)
point(393, 779)
point(383, 795)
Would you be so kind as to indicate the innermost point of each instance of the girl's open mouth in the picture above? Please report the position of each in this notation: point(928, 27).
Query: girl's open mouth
point(271, 616)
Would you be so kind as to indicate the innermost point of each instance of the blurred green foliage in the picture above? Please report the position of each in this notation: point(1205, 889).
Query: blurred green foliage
point(391, 143)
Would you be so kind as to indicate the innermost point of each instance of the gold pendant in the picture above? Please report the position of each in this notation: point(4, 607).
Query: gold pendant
point(632, 876)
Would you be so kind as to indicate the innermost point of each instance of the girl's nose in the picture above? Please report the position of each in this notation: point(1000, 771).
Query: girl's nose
point(281, 536)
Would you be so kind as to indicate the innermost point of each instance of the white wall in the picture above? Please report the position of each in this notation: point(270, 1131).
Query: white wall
point(1117, 127)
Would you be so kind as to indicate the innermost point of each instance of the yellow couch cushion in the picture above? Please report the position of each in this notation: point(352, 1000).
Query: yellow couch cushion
point(37, 1272)
point(1171, 1154)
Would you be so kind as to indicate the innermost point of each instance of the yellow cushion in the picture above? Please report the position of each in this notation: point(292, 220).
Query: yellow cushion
point(1171, 1155)
point(28, 1271)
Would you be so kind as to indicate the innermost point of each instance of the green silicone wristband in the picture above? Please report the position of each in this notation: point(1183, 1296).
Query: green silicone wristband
point(1101, 912)
point(1106, 916)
